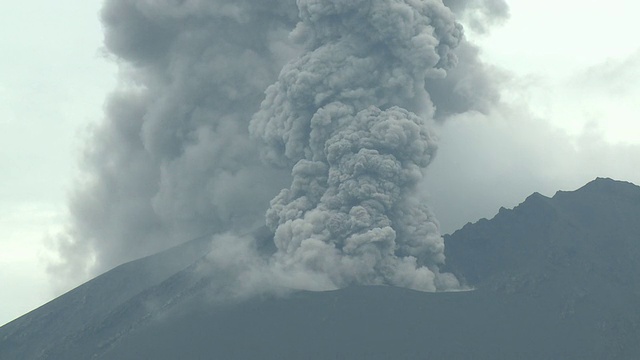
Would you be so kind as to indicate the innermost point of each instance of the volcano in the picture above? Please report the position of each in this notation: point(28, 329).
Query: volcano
point(553, 278)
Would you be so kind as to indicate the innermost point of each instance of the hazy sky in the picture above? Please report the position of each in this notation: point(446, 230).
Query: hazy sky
point(571, 102)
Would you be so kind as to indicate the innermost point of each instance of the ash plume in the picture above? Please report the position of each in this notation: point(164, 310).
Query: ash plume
point(172, 159)
point(352, 116)
point(352, 90)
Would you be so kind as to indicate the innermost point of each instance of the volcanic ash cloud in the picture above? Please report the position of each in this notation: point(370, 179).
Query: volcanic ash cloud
point(351, 118)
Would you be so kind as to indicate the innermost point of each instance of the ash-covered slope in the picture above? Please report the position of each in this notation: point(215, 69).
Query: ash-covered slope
point(554, 278)
point(57, 325)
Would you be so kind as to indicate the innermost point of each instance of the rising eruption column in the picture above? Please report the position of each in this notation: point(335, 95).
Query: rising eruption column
point(350, 116)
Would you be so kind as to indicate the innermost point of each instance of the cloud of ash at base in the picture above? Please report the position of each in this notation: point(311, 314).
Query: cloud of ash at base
point(223, 104)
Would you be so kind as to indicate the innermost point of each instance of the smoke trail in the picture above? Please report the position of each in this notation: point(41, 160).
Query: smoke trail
point(351, 115)
point(173, 159)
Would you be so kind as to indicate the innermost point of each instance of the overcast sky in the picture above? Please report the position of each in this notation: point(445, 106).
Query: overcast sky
point(570, 109)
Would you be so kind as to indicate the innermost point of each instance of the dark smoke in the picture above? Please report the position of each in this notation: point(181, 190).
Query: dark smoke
point(347, 119)
point(337, 114)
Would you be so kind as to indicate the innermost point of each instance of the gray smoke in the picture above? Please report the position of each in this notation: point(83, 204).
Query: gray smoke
point(351, 115)
point(480, 14)
point(344, 128)
point(172, 159)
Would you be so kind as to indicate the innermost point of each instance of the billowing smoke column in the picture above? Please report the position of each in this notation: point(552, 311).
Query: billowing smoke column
point(352, 117)
point(173, 158)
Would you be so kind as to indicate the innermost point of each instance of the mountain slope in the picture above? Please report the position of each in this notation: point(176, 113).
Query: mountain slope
point(575, 237)
point(57, 323)
point(554, 278)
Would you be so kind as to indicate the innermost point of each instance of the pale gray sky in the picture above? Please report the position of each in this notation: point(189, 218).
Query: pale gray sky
point(571, 109)
point(53, 82)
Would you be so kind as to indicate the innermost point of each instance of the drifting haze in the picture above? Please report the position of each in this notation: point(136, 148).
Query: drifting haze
point(355, 88)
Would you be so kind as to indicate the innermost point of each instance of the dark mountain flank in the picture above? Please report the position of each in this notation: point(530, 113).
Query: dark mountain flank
point(553, 278)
